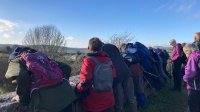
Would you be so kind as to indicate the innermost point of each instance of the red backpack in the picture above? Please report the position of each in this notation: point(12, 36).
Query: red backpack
point(44, 71)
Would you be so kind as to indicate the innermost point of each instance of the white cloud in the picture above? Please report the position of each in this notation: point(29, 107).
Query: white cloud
point(70, 38)
point(177, 6)
point(20, 33)
point(161, 7)
point(6, 25)
point(185, 7)
point(76, 43)
point(6, 35)
point(197, 15)
point(12, 32)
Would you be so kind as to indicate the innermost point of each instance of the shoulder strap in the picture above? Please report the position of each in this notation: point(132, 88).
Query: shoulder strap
point(97, 61)
point(94, 59)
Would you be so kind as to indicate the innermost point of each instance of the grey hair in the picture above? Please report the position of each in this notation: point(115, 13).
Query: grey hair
point(172, 41)
point(191, 47)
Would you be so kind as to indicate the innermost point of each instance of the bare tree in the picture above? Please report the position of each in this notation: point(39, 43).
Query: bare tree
point(46, 38)
point(120, 38)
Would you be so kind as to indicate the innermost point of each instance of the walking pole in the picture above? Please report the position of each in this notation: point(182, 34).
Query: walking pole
point(151, 74)
point(148, 83)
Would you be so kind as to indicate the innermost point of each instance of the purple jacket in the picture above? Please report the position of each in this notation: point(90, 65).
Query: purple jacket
point(177, 52)
point(191, 69)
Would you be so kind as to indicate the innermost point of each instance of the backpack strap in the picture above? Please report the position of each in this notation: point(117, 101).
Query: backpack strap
point(97, 61)
point(94, 59)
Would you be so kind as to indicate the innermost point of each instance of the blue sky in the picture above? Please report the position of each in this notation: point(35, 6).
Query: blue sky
point(152, 22)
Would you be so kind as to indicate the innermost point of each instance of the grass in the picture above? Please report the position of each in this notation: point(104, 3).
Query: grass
point(167, 101)
point(5, 84)
point(2, 91)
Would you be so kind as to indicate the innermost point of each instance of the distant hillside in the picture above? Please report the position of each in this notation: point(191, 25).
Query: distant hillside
point(13, 46)
point(7, 47)
point(10, 45)
point(75, 49)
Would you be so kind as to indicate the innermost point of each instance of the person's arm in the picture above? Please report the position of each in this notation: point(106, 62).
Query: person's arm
point(85, 75)
point(190, 70)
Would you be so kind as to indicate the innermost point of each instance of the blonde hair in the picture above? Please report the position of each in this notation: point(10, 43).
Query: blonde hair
point(190, 47)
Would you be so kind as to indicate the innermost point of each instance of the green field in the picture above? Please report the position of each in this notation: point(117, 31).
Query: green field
point(167, 101)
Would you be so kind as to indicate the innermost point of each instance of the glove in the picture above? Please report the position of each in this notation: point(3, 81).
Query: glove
point(82, 94)
point(141, 100)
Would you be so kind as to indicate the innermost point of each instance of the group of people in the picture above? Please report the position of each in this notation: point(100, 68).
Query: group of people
point(187, 56)
point(111, 77)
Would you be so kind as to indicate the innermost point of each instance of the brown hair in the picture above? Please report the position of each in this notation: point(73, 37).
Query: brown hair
point(198, 35)
point(122, 47)
point(95, 44)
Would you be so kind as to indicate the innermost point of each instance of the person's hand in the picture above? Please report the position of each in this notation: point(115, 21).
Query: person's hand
point(15, 98)
point(72, 84)
point(169, 61)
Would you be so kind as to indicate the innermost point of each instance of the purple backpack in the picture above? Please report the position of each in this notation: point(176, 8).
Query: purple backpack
point(44, 71)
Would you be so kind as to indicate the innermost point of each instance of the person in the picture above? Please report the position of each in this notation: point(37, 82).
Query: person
point(165, 56)
point(132, 60)
point(197, 39)
point(123, 87)
point(157, 69)
point(94, 101)
point(176, 58)
point(184, 59)
point(39, 94)
point(192, 77)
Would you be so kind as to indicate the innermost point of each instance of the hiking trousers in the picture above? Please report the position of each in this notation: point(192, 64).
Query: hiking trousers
point(125, 100)
point(177, 74)
point(193, 101)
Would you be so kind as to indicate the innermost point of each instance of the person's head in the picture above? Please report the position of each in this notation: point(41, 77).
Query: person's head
point(172, 42)
point(95, 44)
point(183, 44)
point(131, 48)
point(189, 48)
point(159, 49)
point(122, 47)
point(150, 48)
point(196, 36)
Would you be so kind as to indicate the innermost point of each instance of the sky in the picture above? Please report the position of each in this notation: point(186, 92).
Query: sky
point(152, 22)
